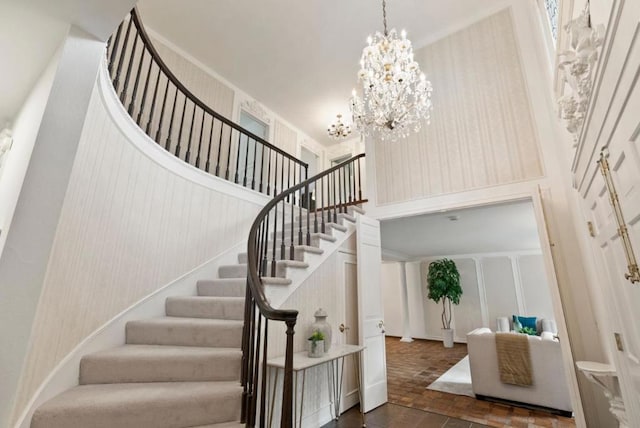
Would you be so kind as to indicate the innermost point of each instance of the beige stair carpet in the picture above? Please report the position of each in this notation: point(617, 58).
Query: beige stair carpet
point(181, 370)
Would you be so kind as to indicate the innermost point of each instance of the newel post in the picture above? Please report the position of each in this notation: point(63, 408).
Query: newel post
point(287, 387)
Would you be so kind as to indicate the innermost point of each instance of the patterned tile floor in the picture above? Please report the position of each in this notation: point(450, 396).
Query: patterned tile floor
point(411, 367)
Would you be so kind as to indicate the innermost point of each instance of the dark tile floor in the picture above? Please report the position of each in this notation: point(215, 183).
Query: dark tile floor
point(411, 367)
point(393, 415)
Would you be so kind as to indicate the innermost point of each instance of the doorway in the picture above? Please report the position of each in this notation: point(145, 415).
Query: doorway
point(348, 328)
point(249, 157)
point(501, 252)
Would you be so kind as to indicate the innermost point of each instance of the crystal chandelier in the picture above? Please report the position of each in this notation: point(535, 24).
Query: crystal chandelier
point(338, 130)
point(396, 95)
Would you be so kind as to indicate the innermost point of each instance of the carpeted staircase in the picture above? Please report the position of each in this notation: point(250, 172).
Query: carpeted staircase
point(181, 370)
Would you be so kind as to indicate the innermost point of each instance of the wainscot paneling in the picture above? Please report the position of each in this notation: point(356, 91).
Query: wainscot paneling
point(494, 285)
point(482, 131)
point(128, 227)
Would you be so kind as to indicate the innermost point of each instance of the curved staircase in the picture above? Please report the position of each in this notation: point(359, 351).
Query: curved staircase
point(201, 365)
point(181, 370)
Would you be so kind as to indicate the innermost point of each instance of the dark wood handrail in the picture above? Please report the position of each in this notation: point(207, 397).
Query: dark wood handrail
point(161, 104)
point(263, 304)
point(167, 71)
point(336, 182)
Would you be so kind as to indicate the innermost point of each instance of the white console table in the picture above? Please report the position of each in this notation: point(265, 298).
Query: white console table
point(301, 362)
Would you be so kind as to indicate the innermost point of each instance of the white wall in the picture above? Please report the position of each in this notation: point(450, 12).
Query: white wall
point(201, 79)
point(482, 131)
point(392, 298)
point(565, 230)
point(325, 289)
point(24, 132)
point(134, 218)
point(29, 241)
point(28, 40)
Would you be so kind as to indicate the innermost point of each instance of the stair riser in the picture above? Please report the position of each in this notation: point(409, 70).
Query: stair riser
point(141, 333)
point(202, 409)
point(316, 241)
point(349, 215)
point(192, 308)
point(299, 255)
point(222, 288)
point(94, 370)
point(233, 271)
point(296, 234)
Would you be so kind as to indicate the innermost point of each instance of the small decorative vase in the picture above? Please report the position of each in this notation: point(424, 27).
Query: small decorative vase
point(316, 348)
point(447, 337)
point(323, 327)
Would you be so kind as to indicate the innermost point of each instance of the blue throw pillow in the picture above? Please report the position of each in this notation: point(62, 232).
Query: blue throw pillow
point(524, 322)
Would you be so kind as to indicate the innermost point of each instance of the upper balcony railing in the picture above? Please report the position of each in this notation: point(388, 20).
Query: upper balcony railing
point(185, 126)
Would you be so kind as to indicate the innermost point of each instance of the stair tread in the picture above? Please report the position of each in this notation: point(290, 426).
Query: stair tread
point(136, 404)
point(271, 280)
point(212, 307)
point(293, 263)
point(160, 363)
point(186, 320)
point(348, 217)
point(307, 248)
point(221, 299)
point(320, 235)
point(329, 224)
point(161, 351)
point(222, 425)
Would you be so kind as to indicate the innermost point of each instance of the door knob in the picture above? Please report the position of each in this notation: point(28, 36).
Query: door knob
point(381, 326)
point(342, 328)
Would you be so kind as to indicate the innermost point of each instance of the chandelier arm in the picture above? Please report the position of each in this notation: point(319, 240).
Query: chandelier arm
point(384, 17)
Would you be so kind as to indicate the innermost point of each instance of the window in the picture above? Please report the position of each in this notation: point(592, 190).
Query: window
point(551, 6)
point(248, 147)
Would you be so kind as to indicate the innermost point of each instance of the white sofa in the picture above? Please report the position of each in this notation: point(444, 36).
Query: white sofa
point(549, 387)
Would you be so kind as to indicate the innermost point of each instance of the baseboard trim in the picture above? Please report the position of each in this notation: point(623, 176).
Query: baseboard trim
point(564, 413)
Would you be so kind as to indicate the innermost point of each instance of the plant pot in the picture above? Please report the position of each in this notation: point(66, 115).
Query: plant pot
point(447, 337)
point(316, 349)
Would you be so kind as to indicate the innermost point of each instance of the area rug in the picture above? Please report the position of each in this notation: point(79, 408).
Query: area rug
point(456, 380)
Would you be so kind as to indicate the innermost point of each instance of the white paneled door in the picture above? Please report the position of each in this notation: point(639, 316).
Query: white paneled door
point(612, 204)
point(371, 319)
point(624, 166)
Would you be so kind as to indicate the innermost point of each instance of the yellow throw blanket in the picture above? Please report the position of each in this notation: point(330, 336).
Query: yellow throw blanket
point(514, 359)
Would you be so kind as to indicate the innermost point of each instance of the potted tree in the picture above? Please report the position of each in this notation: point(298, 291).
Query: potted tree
point(443, 283)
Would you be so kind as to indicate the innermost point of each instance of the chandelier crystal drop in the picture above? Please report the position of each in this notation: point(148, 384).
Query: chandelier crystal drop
point(338, 130)
point(396, 96)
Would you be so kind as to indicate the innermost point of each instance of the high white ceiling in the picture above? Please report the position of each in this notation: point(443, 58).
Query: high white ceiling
point(485, 229)
point(299, 57)
point(32, 30)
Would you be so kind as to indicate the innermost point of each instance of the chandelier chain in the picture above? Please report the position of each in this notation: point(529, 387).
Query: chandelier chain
point(384, 17)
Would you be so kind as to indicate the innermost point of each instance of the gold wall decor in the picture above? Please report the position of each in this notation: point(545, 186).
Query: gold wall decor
point(634, 273)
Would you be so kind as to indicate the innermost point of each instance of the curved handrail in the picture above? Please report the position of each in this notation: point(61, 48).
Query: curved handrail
point(258, 163)
point(339, 187)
